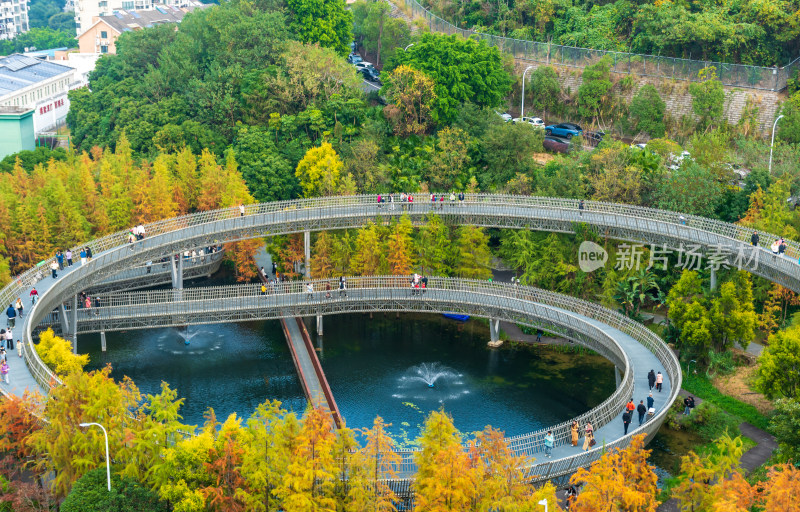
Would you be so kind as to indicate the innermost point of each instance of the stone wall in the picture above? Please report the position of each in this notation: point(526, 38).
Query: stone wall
point(676, 95)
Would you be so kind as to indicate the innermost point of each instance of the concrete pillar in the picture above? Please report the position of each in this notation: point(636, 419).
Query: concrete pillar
point(617, 377)
point(74, 324)
point(103, 341)
point(180, 272)
point(713, 278)
point(319, 325)
point(494, 332)
point(307, 246)
point(62, 315)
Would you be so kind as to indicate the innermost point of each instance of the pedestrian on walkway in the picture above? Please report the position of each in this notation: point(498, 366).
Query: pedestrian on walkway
point(274, 269)
point(96, 305)
point(461, 199)
point(650, 401)
point(310, 290)
point(754, 239)
point(391, 201)
point(327, 290)
point(83, 256)
point(410, 202)
point(34, 295)
point(580, 208)
point(4, 370)
point(782, 248)
point(87, 303)
point(642, 410)
point(69, 257)
point(11, 313)
point(60, 259)
point(9, 341)
point(659, 381)
point(263, 289)
point(2, 338)
point(651, 378)
point(2, 354)
point(342, 286)
point(54, 269)
point(452, 199)
point(549, 440)
point(588, 440)
point(630, 406)
point(89, 249)
point(241, 210)
point(441, 201)
point(18, 307)
point(380, 200)
point(574, 433)
point(626, 421)
point(539, 333)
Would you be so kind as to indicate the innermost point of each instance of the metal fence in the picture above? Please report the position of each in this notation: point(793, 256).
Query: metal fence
point(734, 75)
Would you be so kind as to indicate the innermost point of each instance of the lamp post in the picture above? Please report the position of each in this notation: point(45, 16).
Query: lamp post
point(407, 47)
point(108, 460)
point(689, 365)
point(544, 502)
point(522, 108)
point(773, 142)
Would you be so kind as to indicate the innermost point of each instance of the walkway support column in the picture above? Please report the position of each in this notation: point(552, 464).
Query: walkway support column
point(494, 332)
point(617, 377)
point(103, 341)
point(73, 333)
point(713, 278)
point(319, 325)
point(307, 247)
point(177, 272)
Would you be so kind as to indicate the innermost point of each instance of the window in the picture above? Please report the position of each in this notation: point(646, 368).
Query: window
point(104, 49)
point(103, 34)
point(128, 6)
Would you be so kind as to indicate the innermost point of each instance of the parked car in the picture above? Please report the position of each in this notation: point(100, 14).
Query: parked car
point(354, 58)
point(506, 116)
point(640, 145)
point(364, 64)
point(353, 47)
point(677, 160)
point(556, 145)
point(533, 121)
point(370, 74)
point(594, 138)
point(567, 130)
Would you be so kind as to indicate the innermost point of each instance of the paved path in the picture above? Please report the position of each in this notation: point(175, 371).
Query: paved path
point(302, 361)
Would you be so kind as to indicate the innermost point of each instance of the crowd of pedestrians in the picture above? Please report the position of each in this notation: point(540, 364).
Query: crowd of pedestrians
point(407, 200)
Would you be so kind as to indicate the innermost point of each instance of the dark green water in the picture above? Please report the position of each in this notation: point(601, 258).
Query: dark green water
point(375, 366)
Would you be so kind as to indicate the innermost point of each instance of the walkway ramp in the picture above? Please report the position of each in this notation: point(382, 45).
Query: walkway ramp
point(315, 385)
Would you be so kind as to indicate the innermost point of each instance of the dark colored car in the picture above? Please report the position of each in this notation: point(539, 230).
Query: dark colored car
point(567, 130)
point(594, 138)
point(556, 145)
point(370, 74)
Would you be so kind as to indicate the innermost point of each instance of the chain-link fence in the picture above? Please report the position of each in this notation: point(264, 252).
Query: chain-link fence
point(734, 75)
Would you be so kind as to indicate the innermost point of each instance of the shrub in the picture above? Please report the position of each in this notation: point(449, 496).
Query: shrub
point(647, 111)
point(90, 494)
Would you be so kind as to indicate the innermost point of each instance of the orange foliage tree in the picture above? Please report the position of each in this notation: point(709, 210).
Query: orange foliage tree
point(621, 480)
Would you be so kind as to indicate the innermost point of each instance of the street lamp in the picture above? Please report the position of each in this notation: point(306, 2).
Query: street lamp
point(522, 108)
point(108, 460)
point(689, 365)
point(407, 47)
point(773, 142)
point(544, 502)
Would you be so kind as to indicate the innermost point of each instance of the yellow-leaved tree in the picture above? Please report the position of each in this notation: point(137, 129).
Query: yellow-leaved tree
point(56, 352)
point(320, 173)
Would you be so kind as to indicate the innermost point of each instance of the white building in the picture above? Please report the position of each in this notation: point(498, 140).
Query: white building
point(13, 18)
point(87, 11)
point(37, 84)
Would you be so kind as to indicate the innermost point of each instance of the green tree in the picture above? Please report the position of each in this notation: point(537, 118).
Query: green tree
point(708, 97)
point(462, 69)
point(327, 22)
point(369, 258)
point(433, 243)
point(778, 374)
point(449, 161)
point(732, 316)
point(786, 427)
point(544, 89)
point(647, 111)
point(471, 254)
point(687, 312)
point(90, 494)
point(789, 126)
point(266, 171)
point(507, 148)
point(595, 95)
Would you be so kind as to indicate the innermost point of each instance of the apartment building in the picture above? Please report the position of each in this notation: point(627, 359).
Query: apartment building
point(13, 18)
point(29, 83)
point(101, 36)
point(87, 11)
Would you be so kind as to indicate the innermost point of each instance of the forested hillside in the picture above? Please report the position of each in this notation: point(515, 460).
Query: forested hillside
point(759, 32)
